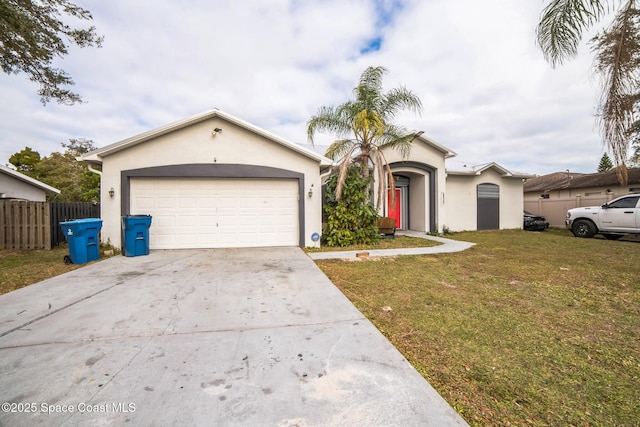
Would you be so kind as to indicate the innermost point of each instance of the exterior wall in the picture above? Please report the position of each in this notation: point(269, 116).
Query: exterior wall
point(420, 204)
point(461, 201)
point(195, 145)
point(15, 188)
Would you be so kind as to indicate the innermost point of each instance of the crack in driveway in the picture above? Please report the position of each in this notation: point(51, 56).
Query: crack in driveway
point(44, 316)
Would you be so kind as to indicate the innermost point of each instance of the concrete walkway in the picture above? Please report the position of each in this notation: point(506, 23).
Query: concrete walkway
point(233, 337)
point(447, 246)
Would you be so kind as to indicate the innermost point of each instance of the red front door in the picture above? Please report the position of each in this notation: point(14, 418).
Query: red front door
point(394, 210)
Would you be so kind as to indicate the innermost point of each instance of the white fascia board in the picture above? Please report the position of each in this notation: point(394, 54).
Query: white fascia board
point(478, 170)
point(447, 153)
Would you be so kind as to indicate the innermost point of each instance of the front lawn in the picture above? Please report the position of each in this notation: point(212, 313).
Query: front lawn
point(20, 268)
point(522, 329)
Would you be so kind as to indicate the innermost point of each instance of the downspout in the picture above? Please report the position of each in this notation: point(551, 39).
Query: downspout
point(326, 174)
point(96, 171)
point(91, 169)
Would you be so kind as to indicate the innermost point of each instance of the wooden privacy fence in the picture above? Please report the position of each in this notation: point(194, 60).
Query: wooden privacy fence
point(35, 225)
point(67, 211)
point(25, 225)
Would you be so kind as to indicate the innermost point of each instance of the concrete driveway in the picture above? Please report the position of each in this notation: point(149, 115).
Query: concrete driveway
point(202, 337)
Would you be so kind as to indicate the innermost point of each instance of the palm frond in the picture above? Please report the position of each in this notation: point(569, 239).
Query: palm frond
point(328, 119)
point(368, 93)
point(397, 138)
point(617, 61)
point(384, 176)
point(338, 149)
point(371, 78)
point(342, 172)
point(562, 25)
point(399, 99)
point(369, 124)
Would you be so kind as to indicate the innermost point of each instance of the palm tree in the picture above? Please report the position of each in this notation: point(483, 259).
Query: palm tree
point(364, 127)
point(617, 61)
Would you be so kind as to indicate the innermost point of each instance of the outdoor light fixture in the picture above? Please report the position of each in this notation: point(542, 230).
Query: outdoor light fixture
point(216, 131)
point(310, 193)
point(111, 192)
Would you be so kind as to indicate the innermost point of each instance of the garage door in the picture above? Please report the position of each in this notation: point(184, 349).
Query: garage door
point(217, 213)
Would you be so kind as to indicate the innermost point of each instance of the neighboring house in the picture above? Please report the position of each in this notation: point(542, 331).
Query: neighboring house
point(15, 185)
point(211, 181)
point(214, 180)
point(554, 194)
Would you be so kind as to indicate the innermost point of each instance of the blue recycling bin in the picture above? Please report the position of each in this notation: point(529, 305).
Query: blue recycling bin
point(135, 233)
point(82, 237)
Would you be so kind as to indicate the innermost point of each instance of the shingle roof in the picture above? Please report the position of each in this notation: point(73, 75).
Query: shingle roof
point(568, 180)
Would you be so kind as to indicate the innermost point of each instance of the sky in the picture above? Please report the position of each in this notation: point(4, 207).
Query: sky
point(487, 92)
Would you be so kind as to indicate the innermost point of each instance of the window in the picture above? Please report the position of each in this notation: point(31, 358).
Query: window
point(627, 202)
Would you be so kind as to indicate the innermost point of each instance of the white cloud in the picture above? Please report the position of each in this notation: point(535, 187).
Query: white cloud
point(487, 92)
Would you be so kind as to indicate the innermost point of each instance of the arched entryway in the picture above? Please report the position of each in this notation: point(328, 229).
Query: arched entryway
point(488, 206)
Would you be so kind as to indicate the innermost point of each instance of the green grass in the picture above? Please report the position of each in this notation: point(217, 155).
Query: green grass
point(396, 243)
point(522, 329)
point(20, 268)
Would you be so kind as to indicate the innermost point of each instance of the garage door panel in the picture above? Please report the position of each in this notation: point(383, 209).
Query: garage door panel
point(207, 202)
point(208, 221)
point(164, 221)
point(166, 202)
point(211, 213)
point(187, 202)
point(186, 220)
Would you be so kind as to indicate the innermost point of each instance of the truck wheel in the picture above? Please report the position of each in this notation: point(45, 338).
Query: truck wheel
point(584, 228)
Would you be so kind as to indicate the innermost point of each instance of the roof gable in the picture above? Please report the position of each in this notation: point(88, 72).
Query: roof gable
point(22, 177)
point(476, 170)
point(96, 156)
point(430, 142)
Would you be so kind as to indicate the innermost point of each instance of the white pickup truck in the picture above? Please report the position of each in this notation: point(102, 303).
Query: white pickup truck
point(613, 220)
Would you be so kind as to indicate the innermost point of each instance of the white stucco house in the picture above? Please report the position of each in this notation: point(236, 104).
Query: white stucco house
point(214, 180)
point(16, 185)
point(209, 181)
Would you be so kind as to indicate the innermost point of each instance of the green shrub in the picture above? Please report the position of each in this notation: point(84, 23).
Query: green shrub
point(350, 220)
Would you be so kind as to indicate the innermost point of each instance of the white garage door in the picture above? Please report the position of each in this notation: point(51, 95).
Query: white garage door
point(217, 213)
